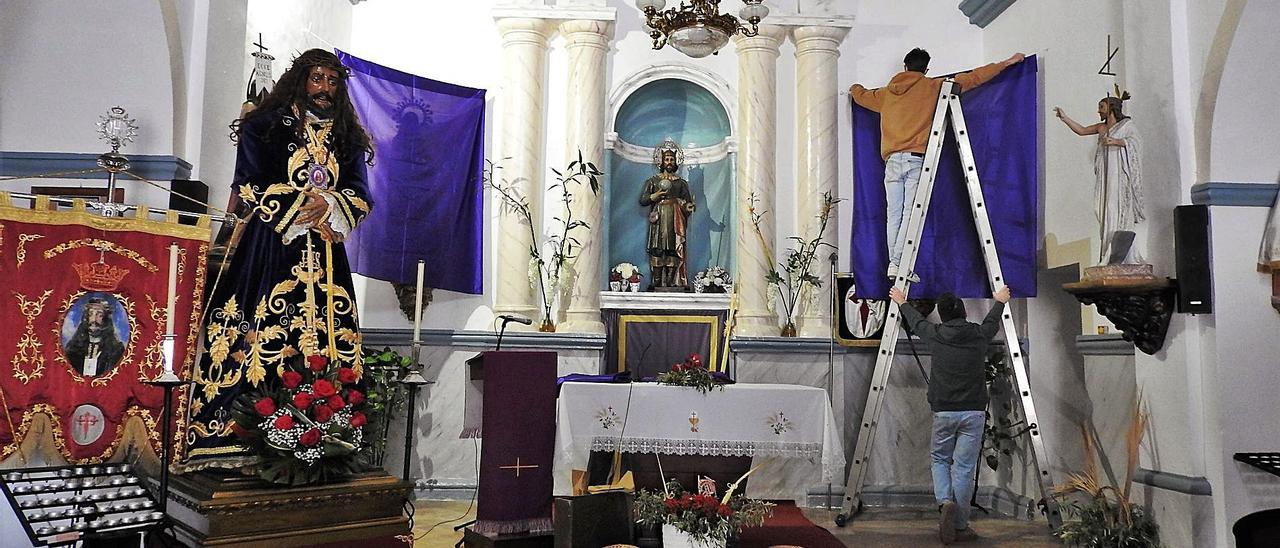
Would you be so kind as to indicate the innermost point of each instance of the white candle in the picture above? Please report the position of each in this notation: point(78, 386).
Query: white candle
point(417, 310)
point(173, 288)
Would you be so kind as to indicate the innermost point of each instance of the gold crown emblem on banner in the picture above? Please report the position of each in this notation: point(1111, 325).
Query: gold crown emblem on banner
point(99, 276)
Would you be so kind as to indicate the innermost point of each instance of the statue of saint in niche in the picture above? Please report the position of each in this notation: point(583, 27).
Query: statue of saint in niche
point(670, 203)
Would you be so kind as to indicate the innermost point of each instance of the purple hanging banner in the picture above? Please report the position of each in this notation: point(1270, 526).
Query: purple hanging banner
point(1002, 117)
point(426, 178)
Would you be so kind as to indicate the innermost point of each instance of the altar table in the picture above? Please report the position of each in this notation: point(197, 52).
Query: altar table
point(788, 429)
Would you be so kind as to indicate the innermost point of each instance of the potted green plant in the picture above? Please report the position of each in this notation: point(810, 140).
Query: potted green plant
point(1103, 515)
point(789, 284)
point(550, 256)
point(385, 397)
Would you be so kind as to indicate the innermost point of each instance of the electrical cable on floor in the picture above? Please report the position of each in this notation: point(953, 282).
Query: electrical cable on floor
point(470, 504)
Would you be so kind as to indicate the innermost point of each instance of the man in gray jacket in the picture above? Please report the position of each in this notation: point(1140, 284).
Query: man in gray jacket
point(958, 397)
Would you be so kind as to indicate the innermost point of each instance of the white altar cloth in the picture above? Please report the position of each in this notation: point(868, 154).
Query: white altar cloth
point(789, 429)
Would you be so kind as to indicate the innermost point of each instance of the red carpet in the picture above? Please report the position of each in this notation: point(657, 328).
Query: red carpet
point(788, 526)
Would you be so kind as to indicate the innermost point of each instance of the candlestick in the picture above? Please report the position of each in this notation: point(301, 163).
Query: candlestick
point(173, 289)
point(417, 310)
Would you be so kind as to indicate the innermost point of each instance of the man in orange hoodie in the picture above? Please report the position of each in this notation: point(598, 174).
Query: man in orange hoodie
point(906, 108)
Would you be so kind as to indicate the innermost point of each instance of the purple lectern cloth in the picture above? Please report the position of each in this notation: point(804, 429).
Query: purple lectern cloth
point(519, 442)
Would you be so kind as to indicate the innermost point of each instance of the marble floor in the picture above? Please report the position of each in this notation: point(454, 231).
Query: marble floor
point(872, 528)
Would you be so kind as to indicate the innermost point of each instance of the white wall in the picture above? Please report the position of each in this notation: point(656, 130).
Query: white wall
point(1246, 122)
point(1070, 40)
point(64, 63)
point(1240, 371)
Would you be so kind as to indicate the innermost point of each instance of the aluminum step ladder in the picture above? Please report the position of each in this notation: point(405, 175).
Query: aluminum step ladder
point(948, 103)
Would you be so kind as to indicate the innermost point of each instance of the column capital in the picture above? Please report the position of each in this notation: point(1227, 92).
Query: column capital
point(592, 26)
point(768, 40)
point(587, 32)
point(820, 38)
point(525, 30)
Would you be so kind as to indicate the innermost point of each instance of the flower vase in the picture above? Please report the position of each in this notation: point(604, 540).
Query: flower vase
point(789, 330)
point(675, 538)
point(635, 287)
point(547, 326)
point(615, 286)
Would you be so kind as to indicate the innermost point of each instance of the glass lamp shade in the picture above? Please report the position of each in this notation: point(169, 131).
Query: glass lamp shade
point(655, 4)
point(698, 41)
point(756, 11)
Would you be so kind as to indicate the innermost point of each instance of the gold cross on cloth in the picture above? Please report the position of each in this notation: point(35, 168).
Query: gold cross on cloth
point(517, 467)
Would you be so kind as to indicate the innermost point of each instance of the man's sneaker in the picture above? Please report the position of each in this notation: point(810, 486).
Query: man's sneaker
point(911, 276)
point(966, 535)
point(947, 523)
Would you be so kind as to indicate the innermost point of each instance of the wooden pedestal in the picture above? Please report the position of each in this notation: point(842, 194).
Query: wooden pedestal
point(215, 508)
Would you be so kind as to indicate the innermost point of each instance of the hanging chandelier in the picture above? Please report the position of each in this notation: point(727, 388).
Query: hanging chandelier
point(697, 28)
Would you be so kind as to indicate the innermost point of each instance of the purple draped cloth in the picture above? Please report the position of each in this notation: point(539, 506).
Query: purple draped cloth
point(519, 442)
point(426, 178)
point(1002, 117)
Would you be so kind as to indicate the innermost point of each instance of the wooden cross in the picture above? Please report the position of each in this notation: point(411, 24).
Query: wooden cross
point(517, 467)
point(261, 48)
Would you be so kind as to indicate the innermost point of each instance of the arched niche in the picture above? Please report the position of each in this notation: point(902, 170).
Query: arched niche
point(696, 118)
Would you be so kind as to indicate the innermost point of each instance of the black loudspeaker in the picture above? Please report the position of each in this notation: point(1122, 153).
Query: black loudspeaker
point(1194, 259)
point(193, 189)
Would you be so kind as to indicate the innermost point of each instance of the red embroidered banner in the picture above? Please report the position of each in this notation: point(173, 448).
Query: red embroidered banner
point(84, 301)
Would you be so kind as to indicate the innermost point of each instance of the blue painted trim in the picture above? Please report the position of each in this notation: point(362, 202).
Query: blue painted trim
point(1103, 345)
point(155, 167)
point(1235, 194)
point(482, 340)
point(1191, 485)
point(983, 12)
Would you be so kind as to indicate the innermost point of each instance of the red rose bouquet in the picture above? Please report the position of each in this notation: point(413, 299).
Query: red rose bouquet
point(704, 518)
point(308, 427)
point(691, 372)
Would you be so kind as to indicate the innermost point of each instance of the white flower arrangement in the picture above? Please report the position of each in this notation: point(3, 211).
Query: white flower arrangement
point(713, 280)
point(624, 277)
point(626, 270)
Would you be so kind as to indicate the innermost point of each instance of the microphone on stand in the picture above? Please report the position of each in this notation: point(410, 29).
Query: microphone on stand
point(515, 318)
point(507, 318)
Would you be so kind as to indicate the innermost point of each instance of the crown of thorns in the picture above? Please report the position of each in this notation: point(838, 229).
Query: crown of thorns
point(1122, 95)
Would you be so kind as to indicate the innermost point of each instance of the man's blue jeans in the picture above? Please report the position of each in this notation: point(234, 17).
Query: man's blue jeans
point(901, 174)
point(957, 442)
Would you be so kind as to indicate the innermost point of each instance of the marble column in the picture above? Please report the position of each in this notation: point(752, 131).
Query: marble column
point(521, 107)
point(817, 157)
point(587, 44)
point(757, 173)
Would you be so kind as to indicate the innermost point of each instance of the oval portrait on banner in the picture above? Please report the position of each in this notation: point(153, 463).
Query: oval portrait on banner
point(863, 317)
point(94, 334)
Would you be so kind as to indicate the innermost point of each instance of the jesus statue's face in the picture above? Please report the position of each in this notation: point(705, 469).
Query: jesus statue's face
point(1104, 110)
point(669, 164)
